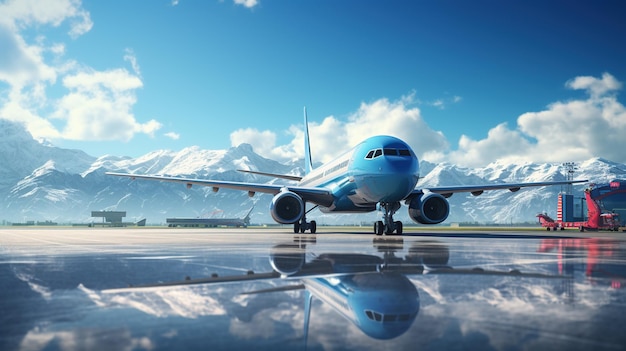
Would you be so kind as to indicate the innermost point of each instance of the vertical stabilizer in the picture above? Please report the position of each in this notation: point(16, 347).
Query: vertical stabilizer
point(308, 297)
point(308, 164)
point(246, 219)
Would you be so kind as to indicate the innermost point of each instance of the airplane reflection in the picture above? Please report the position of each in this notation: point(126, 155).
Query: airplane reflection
point(371, 291)
point(364, 289)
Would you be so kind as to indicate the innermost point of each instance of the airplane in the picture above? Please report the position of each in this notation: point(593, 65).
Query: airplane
point(378, 173)
point(211, 222)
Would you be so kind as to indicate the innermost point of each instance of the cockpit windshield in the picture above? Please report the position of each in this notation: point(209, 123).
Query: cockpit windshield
point(388, 152)
point(379, 317)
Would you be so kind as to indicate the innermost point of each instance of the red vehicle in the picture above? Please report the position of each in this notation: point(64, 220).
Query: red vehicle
point(596, 220)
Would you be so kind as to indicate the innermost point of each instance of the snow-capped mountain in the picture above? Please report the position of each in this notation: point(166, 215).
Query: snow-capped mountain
point(21, 155)
point(40, 182)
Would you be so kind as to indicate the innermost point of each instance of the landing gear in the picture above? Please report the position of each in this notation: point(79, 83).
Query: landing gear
point(302, 226)
point(387, 225)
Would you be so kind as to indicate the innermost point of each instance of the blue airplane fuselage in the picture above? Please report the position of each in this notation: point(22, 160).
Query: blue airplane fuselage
point(382, 305)
point(380, 169)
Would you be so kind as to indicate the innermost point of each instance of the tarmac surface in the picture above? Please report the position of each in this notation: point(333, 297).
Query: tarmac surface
point(341, 289)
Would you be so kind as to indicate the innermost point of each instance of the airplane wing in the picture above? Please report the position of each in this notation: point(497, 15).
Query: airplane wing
point(326, 272)
point(251, 276)
point(273, 175)
point(310, 194)
point(476, 190)
point(310, 271)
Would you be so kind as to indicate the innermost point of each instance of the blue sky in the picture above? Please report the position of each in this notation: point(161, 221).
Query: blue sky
point(468, 82)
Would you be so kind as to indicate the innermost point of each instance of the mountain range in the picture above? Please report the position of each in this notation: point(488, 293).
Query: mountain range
point(41, 182)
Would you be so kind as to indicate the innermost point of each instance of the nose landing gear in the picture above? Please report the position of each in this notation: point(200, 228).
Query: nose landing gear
point(387, 226)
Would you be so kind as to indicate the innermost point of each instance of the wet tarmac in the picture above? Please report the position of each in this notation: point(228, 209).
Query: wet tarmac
point(262, 289)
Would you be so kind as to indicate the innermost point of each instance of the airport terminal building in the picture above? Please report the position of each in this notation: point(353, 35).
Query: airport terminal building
point(611, 197)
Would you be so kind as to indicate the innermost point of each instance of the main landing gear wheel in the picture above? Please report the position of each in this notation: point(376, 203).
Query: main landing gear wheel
point(302, 226)
point(387, 226)
point(379, 228)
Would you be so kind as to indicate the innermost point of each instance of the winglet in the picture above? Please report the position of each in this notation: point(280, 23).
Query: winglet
point(308, 164)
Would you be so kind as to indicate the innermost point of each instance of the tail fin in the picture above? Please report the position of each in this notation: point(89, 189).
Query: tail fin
point(248, 214)
point(308, 164)
point(246, 219)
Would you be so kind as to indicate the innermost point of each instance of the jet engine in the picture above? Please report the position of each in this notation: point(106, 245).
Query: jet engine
point(429, 208)
point(287, 259)
point(287, 207)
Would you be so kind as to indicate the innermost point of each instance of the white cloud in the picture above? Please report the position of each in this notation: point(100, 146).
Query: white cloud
point(595, 87)
point(332, 136)
point(25, 13)
point(247, 3)
point(172, 135)
point(395, 118)
point(262, 141)
point(572, 130)
point(19, 14)
point(81, 24)
point(117, 81)
point(440, 103)
point(97, 105)
point(501, 143)
point(148, 128)
point(38, 127)
point(130, 57)
point(22, 64)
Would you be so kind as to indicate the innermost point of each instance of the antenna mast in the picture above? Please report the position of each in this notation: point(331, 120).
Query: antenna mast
point(570, 168)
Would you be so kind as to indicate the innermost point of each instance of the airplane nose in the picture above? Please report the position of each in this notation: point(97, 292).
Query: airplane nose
point(400, 165)
point(396, 178)
point(389, 187)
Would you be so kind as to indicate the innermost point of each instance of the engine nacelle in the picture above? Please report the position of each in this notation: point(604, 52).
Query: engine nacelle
point(287, 259)
point(287, 207)
point(429, 208)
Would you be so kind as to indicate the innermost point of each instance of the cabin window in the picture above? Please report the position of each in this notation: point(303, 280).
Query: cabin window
point(404, 152)
point(390, 152)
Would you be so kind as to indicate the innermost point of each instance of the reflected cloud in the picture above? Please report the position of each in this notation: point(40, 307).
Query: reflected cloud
point(85, 339)
point(31, 281)
point(187, 302)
